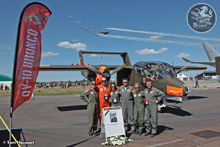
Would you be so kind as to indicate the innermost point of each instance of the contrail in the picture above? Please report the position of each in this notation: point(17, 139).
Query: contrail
point(152, 40)
point(166, 34)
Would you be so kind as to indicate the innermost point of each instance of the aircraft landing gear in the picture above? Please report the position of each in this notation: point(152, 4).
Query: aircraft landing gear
point(161, 108)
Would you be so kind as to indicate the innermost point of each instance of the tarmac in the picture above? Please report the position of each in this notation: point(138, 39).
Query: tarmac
point(61, 121)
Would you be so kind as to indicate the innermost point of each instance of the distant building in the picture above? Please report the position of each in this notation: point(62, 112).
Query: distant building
point(5, 81)
point(207, 75)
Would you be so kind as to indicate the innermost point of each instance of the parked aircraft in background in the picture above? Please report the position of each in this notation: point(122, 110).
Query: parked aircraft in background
point(211, 53)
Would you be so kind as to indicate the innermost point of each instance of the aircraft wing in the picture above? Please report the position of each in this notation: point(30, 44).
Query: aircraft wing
point(187, 68)
point(211, 63)
point(76, 67)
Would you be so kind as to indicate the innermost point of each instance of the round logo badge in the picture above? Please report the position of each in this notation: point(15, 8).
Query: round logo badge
point(201, 18)
point(101, 89)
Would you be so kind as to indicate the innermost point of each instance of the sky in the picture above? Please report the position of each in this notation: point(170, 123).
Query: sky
point(149, 30)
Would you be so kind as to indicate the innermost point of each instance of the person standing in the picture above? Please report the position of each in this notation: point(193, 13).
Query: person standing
point(104, 95)
point(194, 83)
point(153, 96)
point(114, 100)
point(91, 97)
point(126, 102)
point(197, 82)
point(138, 110)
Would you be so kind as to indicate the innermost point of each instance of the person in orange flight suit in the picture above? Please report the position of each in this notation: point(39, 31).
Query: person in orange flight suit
point(104, 93)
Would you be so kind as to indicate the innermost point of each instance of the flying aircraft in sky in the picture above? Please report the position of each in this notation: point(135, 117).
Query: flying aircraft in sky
point(105, 33)
point(162, 75)
point(211, 53)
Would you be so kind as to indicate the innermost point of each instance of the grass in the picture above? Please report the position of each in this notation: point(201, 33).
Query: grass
point(51, 91)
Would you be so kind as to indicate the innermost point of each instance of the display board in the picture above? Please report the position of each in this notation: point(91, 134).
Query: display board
point(112, 122)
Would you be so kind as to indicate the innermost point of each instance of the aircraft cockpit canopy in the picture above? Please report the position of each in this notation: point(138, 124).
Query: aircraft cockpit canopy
point(154, 70)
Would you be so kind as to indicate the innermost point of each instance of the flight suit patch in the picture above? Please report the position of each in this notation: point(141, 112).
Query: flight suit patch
point(139, 94)
point(101, 89)
point(116, 92)
point(92, 92)
point(122, 90)
point(151, 92)
point(135, 95)
point(128, 90)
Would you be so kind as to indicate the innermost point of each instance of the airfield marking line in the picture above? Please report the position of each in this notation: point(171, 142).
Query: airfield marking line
point(169, 142)
point(64, 127)
point(50, 100)
point(9, 131)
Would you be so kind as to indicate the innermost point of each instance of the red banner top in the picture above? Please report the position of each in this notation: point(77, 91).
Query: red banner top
point(28, 52)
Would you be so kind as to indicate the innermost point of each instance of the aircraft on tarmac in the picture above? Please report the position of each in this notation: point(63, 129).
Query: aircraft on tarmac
point(211, 53)
point(162, 75)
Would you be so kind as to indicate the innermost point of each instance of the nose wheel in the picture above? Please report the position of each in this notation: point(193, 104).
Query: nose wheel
point(161, 108)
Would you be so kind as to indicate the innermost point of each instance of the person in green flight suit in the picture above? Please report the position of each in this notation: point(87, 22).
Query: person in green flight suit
point(153, 96)
point(114, 100)
point(91, 97)
point(127, 104)
point(138, 109)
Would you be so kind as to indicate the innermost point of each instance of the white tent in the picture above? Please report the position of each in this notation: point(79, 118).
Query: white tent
point(5, 81)
point(183, 77)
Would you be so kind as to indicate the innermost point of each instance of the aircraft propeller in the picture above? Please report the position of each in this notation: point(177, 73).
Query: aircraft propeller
point(95, 70)
point(117, 69)
point(106, 74)
point(181, 69)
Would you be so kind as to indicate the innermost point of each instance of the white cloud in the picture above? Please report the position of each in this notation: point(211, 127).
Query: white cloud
point(95, 55)
point(49, 54)
point(77, 46)
point(2, 53)
point(150, 51)
point(70, 16)
point(75, 40)
point(181, 55)
point(156, 37)
point(7, 47)
point(78, 21)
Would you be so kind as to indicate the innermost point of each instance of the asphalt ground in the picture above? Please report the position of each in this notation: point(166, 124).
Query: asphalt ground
point(61, 121)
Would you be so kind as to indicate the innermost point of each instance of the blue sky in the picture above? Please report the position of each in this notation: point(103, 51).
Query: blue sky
point(63, 35)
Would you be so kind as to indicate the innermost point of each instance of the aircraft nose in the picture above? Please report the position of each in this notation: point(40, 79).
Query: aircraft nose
point(185, 90)
point(177, 88)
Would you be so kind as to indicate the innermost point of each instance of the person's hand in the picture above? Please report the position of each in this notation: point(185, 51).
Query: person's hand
point(133, 91)
point(156, 101)
point(87, 90)
point(88, 101)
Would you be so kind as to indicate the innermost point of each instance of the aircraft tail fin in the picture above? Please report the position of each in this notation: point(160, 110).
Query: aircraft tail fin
point(210, 51)
point(186, 60)
point(81, 61)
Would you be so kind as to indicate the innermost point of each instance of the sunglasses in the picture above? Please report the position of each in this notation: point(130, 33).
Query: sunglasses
point(104, 81)
point(137, 87)
point(93, 84)
point(125, 82)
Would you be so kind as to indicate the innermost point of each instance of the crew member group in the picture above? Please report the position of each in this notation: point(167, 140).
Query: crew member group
point(139, 108)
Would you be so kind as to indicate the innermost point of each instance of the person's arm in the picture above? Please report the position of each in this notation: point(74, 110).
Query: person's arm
point(160, 95)
point(84, 95)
